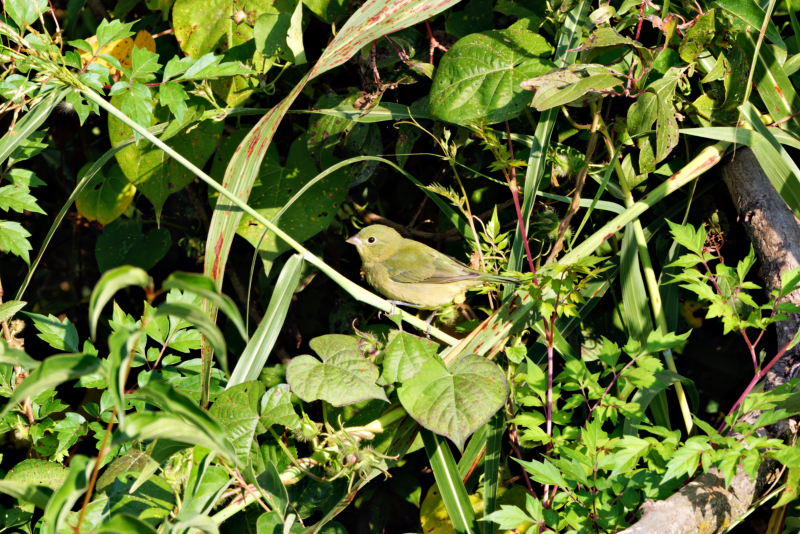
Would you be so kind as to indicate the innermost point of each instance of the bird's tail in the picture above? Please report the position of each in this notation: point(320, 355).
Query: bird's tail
point(500, 279)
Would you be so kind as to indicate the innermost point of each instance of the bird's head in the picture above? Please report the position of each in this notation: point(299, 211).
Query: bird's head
point(376, 243)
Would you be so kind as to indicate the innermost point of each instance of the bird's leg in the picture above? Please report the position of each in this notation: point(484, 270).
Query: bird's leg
point(428, 322)
point(398, 320)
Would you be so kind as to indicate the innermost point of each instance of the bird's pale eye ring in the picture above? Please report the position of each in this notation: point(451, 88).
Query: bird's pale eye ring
point(371, 240)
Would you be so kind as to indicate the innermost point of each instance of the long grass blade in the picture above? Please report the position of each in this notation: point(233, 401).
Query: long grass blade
point(451, 487)
point(29, 123)
point(260, 346)
point(494, 449)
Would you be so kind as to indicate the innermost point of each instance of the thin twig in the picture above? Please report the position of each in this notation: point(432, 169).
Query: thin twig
point(515, 193)
point(581, 178)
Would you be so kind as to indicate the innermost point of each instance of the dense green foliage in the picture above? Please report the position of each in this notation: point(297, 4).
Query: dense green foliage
point(516, 135)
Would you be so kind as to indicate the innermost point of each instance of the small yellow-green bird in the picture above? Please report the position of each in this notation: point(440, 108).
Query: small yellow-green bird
point(410, 273)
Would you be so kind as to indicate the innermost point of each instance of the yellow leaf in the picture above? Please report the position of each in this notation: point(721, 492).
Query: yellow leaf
point(120, 50)
point(435, 520)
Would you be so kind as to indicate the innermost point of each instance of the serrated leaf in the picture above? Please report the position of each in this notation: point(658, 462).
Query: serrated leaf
point(61, 335)
point(18, 198)
point(14, 239)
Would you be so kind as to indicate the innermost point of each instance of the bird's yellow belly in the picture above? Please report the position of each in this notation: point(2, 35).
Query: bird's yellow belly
point(425, 296)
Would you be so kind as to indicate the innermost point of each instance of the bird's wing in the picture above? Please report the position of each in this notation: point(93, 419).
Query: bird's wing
point(418, 263)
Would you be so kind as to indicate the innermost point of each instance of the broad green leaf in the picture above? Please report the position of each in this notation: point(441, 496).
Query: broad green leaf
point(150, 169)
point(39, 473)
point(61, 335)
point(204, 287)
point(271, 486)
point(69, 429)
point(571, 85)
point(270, 33)
point(269, 523)
point(27, 149)
point(65, 497)
point(14, 239)
point(294, 37)
point(53, 371)
point(236, 411)
point(111, 282)
point(26, 11)
point(656, 106)
point(480, 76)
point(342, 378)
point(211, 66)
point(454, 403)
point(255, 354)
point(404, 356)
point(124, 243)
point(197, 318)
point(277, 408)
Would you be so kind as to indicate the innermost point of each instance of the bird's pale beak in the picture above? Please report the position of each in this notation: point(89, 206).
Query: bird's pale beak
point(354, 240)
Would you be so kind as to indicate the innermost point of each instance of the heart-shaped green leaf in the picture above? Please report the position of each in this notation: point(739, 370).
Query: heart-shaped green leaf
point(343, 377)
point(481, 74)
point(455, 403)
point(404, 356)
point(123, 243)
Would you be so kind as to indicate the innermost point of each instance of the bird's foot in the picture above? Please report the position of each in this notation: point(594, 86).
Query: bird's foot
point(428, 322)
point(395, 315)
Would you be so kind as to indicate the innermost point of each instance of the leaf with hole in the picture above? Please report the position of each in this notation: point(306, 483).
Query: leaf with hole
point(150, 169)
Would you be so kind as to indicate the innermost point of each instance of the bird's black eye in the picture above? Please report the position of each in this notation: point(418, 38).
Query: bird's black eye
point(371, 240)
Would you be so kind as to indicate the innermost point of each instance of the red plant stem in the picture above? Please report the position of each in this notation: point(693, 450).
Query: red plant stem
point(638, 32)
point(756, 379)
point(751, 347)
point(165, 32)
point(549, 412)
point(434, 43)
point(515, 193)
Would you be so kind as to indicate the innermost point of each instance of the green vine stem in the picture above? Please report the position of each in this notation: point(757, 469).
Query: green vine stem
point(355, 290)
